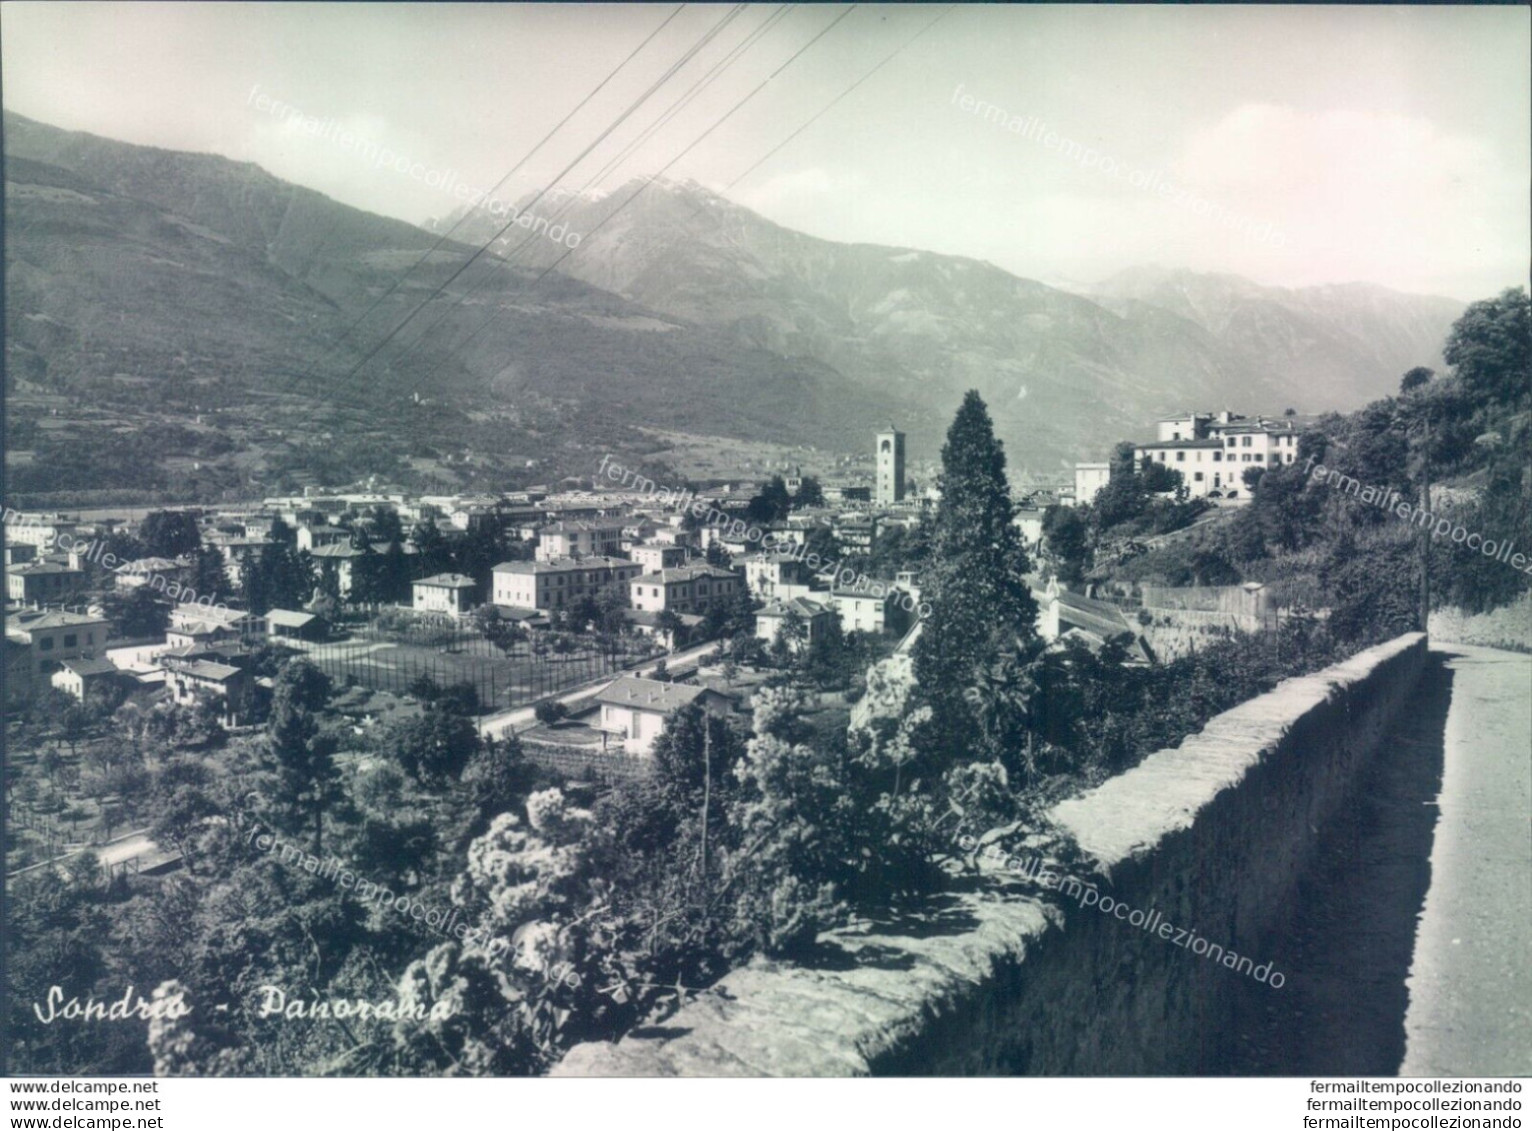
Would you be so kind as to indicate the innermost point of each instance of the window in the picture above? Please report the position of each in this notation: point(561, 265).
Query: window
point(45, 644)
point(90, 637)
point(1231, 441)
point(1244, 441)
point(1197, 477)
point(71, 641)
point(1180, 457)
point(1259, 458)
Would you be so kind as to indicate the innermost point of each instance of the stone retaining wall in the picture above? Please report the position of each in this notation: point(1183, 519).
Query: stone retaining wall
point(1002, 978)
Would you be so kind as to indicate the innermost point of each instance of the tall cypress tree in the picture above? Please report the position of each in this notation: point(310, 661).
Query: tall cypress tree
point(980, 604)
point(307, 783)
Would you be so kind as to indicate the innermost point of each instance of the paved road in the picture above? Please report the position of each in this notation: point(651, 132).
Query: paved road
point(1470, 983)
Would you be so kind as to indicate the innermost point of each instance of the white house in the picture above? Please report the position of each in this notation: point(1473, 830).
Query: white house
point(636, 708)
point(556, 584)
point(451, 593)
point(1089, 479)
point(816, 620)
point(690, 589)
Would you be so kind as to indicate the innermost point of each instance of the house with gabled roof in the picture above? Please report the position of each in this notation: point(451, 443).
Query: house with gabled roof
point(635, 709)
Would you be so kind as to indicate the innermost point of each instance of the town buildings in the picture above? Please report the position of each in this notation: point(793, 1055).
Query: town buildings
point(39, 583)
point(1212, 451)
point(558, 583)
point(1089, 479)
point(453, 594)
point(589, 538)
point(814, 618)
point(634, 710)
point(39, 641)
point(690, 589)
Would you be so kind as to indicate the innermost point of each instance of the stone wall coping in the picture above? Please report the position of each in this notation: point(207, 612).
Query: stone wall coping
point(891, 979)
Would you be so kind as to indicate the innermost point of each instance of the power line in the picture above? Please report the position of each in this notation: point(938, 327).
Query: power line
point(615, 212)
point(676, 107)
point(691, 52)
point(445, 236)
point(836, 100)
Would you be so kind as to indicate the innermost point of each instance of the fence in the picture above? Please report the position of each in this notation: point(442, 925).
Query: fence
point(1252, 601)
point(393, 658)
point(586, 761)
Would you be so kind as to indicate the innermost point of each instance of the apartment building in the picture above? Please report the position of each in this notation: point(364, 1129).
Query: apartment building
point(557, 583)
point(690, 589)
point(580, 538)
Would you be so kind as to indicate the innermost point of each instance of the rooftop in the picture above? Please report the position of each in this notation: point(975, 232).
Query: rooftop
point(449, 581)
point(287, 618)
point(686, 573)
point(35, 621)
point(800, 605)
point(649, 694)
point(1183, 444)
point(206, 669)
point(561, 565)
point(90, 667)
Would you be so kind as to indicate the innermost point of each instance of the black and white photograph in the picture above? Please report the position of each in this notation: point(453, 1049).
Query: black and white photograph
point(768, 540)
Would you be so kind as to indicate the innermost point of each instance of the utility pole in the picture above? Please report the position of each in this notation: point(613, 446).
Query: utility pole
point(1425, 531)
point(707, 783)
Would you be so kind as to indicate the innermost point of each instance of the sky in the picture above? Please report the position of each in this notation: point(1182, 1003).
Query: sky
point(1292, 145)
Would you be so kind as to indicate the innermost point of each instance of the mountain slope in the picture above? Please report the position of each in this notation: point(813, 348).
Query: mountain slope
point(147, 279)
point(1061, 370)
point(189, 280)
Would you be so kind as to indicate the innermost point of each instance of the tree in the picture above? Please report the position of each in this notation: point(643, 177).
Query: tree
point(284, 579)
point(499, 776)
point(1490, 348)
point(210, 578)
point(138, 614)
point(384, 523)
point(550, 712)
point(169, 534)
point(1415, 378)
point(307, 783)
point(792, 634)
point(773, 504)
point(1159, 478)
point(501, 633)
point(810, 494)
point(75, 723)
point(433, 554)
point(368, 585)
point(182, 814)
point(670, 626)
point(120, 546)
point(1252, 478)
point(975, 585)
point(481, 549)
point(1066, 540)
point(1209, 567)
point(436, 747)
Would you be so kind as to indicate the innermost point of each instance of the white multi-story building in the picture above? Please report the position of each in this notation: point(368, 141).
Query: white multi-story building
point(1089, 479)
point(451, 593)
point(655, 557)
point(690, 589)
point(555, 584)
point(1213, 451)
point(589, 538)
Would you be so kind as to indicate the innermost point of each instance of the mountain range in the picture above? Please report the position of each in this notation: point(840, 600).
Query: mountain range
point(144, 270)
